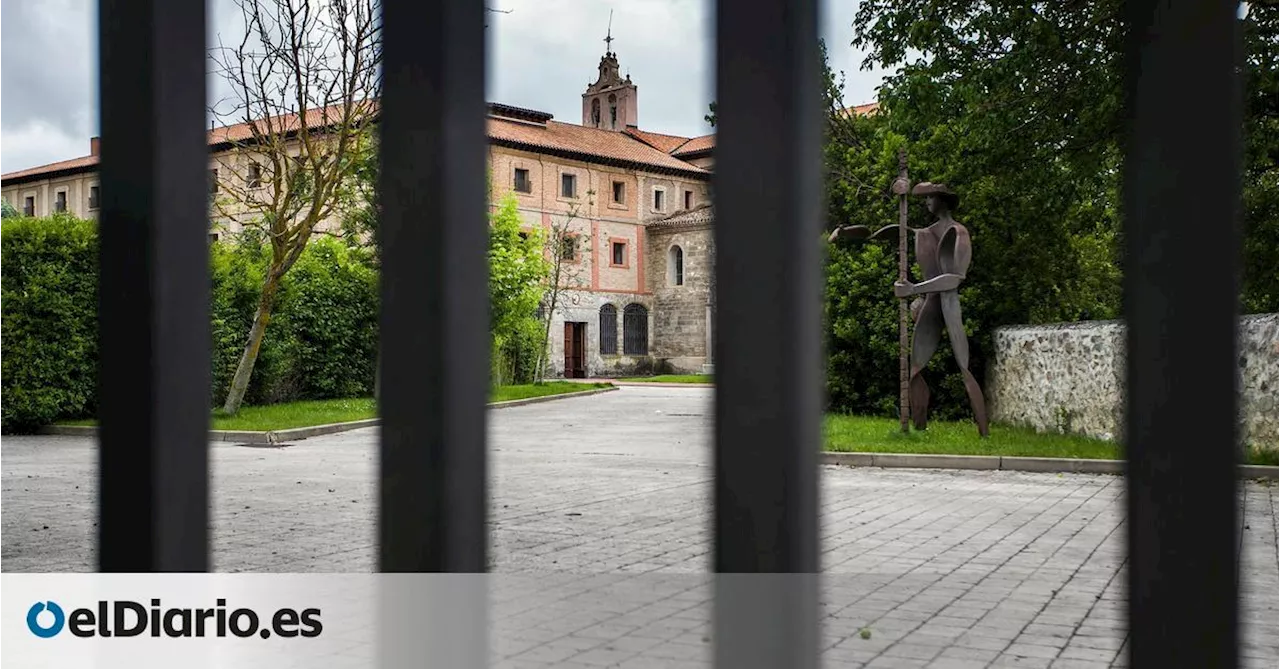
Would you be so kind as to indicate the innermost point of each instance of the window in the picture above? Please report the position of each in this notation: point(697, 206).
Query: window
point(675, 266)
point(688, 199)
point(635, 330)
point(595, 112)
point(524, 236)
point(613, 112)
point(619, 257)
point(522, 182)
point(568, 247)
point(29, 206)
point(213, 237)
point(255, 175)
point(568, 185)
point(608, 330)
point(94, 197)
point(659, 199)
point(213, 181)
point(60, 201)
point(619, 192)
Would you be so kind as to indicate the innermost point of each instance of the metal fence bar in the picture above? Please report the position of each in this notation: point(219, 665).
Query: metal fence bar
point(434, 323)
point(1182, 206)
point(154, 371)
point(769, 381)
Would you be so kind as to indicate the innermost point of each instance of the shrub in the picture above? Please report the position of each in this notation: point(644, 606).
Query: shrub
point(48, 297)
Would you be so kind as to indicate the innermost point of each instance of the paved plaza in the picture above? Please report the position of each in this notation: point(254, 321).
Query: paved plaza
point(605, 500)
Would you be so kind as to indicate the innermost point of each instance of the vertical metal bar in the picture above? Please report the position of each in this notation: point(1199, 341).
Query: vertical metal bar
point(769, 383)
point(1182, 206)
point(435, 340)
point(154, 371)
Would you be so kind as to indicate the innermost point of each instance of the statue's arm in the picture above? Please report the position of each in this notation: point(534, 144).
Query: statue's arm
point(955, 251)
point(863, 233)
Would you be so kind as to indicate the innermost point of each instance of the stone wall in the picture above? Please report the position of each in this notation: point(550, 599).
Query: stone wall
point(583, 306)
point(1071, 378)
point(680, 311)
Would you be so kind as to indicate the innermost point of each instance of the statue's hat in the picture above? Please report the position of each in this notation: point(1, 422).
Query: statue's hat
point(943, 190)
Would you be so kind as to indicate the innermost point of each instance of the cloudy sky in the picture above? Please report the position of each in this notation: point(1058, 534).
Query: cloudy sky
point(542, 54)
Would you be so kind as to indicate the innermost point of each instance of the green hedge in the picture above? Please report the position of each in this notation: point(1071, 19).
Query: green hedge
point(48, 301)
point(321, 341)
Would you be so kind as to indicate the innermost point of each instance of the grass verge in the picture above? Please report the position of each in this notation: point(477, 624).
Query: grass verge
point(883, 435)
point(671, 378)
point(324, 412)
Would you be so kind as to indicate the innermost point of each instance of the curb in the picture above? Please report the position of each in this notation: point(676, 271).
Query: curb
point(1006, 463)
point(662, 384)
point(274, 437)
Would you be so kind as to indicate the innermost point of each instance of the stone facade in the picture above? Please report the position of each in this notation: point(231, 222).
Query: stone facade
point(683, 300)
point(1071, 378)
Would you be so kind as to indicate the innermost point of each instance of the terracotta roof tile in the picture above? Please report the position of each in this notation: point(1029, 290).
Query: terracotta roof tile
point(659, 141)
point(696, 145)
point(591, 142)
point(634, 146)
point(700, 215)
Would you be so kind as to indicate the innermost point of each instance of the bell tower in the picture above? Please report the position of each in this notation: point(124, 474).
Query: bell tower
point(610, 103)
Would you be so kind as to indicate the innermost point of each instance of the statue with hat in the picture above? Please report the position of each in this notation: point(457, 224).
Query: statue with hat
point(943, 251)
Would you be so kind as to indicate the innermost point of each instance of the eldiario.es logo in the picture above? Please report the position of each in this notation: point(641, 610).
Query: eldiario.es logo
point(123, 618)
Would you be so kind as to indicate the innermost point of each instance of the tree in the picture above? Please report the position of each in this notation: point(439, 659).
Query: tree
point(9, 211)
point(304, 82)
point(563, 247)
point(710, 118)
point(518, 270)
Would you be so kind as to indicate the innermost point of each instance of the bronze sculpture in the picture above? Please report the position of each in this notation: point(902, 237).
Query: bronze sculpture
point(943, 251)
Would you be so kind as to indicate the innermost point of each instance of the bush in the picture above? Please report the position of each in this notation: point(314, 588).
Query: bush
point(321, 342)
point(49, 297)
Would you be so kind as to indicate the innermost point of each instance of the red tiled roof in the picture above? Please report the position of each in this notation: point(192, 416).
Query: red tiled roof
point(696, 145)
point(863, 110)
point(73, 165)
point(584, 141)
point(659, 141)
point(637, 147)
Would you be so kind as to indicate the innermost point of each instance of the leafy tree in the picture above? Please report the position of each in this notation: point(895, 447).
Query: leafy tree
point(8, 211)
point(517, 270)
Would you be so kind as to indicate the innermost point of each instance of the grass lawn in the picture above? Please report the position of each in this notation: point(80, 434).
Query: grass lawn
point(883, 435)
point(324, 412)
point(508, 393)
point(672, 378)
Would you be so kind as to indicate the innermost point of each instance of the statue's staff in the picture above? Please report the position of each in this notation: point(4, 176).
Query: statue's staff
point(902, 187)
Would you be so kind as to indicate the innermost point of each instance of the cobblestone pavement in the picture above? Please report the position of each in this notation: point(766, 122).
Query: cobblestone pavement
point(602, 505)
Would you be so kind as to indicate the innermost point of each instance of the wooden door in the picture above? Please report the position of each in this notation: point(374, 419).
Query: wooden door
point(575, 350)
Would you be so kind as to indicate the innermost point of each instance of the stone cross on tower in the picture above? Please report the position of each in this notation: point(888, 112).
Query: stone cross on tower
point(610, 102)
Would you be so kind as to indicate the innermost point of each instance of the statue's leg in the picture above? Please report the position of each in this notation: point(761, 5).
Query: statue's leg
point(960, 346)
point(924, 343)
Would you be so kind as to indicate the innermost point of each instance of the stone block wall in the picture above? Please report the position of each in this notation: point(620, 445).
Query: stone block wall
point(583, 306)
point(680, 311)
point(1071, 378)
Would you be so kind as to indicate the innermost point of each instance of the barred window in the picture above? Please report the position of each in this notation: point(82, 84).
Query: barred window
point(635, 330)
point(608, 330)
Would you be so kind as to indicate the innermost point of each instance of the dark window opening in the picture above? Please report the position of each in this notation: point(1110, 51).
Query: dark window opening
point(93, 197)
point(619, 192)
point(675, 266)
point(60, 201)
point(255, 176)
point(595, 112)
point(635, 330)
point(524, 236)
point(688, 199)
point(568, 247)
point(29, 206)
point(619, 253)
point(522, 182)
point(658, 199)
point(568, 185)
point(608, 330)
point(213, 181)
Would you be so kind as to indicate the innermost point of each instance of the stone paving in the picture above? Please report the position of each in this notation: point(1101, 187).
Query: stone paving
point(600, 519)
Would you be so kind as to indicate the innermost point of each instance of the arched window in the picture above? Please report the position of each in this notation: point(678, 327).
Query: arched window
point(635, 330)
point(613, 112)
point(608, 330)
point(675, 266)
point(595, 112)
